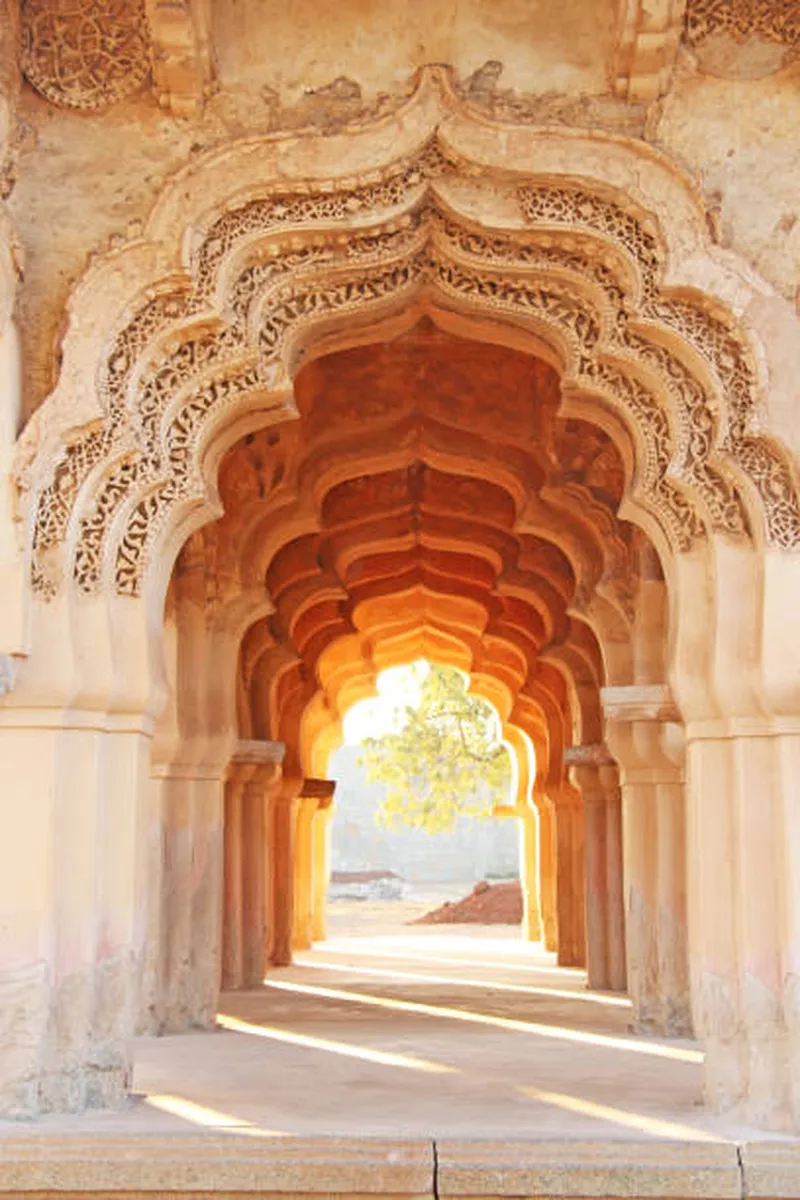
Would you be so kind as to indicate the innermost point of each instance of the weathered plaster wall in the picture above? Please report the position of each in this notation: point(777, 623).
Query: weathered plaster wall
point(291, 47)
point(83, 179)
point(741, 140)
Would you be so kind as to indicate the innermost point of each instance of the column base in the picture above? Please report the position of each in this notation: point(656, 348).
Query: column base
point(64, 1049)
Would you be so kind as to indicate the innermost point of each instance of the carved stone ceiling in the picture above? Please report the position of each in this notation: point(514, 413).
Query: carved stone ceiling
point(428, 496)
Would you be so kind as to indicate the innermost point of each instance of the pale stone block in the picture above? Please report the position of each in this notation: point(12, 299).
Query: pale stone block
point(603, 1168)
point(229, 1166)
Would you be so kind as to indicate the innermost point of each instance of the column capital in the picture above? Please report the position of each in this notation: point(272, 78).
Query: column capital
point(639, 702)
point(595, 754)
point(251, 750)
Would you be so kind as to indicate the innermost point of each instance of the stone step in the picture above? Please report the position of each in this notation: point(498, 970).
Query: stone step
point(41, 1166)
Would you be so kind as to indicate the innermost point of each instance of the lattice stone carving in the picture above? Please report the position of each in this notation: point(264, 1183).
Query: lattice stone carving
point(85, 53)
point(774, 20)
point(586, 267)
point(728, 358)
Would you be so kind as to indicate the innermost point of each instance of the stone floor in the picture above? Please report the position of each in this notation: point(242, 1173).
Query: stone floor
point(416, 1032)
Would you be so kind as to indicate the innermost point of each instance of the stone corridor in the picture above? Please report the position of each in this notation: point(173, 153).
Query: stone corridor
point(389, 1030)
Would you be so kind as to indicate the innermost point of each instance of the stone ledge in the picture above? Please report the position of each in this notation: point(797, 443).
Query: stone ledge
point(237, 1166)
point(230, 1165)
point(592, 1169)
point(771, 1169)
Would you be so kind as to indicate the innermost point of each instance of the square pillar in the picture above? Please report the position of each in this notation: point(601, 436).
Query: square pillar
point(315, 797)
point(253, 773)
point(647, 740)
point(595, 774)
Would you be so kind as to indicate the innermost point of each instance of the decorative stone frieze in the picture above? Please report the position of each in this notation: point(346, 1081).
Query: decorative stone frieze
point(280, 266)
point(774, 20)
point(85, 53)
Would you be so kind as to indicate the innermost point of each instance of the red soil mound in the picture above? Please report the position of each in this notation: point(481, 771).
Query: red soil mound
point(487, 904)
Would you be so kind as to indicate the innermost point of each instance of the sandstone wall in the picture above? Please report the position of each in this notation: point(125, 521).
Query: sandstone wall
point(84, 179)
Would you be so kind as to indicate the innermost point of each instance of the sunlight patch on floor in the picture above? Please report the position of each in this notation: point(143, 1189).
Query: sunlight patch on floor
point(558, 1032)
point(209, 1118)
point(381, 1057)
point(459, 981)
point(620, 1116)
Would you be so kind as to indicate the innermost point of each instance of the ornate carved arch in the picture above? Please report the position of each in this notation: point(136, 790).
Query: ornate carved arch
point(567, 263)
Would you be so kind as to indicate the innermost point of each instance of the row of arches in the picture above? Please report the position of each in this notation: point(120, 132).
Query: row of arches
point(389, 522)
point(598, 518)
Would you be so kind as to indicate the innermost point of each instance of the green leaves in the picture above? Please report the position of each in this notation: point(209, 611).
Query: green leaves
point(445, 761)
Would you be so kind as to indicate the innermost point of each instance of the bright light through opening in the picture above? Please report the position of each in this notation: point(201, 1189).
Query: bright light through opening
point(398, 688)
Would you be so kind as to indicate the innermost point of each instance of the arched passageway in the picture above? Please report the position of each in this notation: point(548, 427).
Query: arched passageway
point(489, 400)
point(405, 514)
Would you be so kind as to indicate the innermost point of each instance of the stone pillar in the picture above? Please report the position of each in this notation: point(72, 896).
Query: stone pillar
point(615, 908)
point(529, 874)
point(548, 870)
point(281, 811)
point(743, 801)
point(190, 801)
point(594, 814)
point(596, 775)
point(570, 875)
point(316, 794)
point(734, 671)
point(73, 790)
point(648, 744)
point(520, 747)
point(320, 834)
point(232, 903)
point(253, 772)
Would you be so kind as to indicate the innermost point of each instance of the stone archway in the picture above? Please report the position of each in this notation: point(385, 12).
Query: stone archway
point(591, 252)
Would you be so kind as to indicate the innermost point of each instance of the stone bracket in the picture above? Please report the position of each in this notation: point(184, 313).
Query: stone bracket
point(253, 751)
point(596, 755)
point(639, 702)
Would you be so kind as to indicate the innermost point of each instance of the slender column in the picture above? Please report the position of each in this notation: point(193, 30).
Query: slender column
point(253, 772)
point(615, 912)
point(253, 868)
point(233, 907)
point(587, 777)
point(648, 744)
point(529, 863)
point(596, 775)
point(673, 951)
point(320, 833)
point(280, 849)
point(570, 876)
point(521, 748)
point(548, 870)
point(316, 795)
point(305, 812)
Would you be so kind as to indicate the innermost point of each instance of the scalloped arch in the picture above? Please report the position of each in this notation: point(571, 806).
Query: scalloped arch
point(268, 249)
